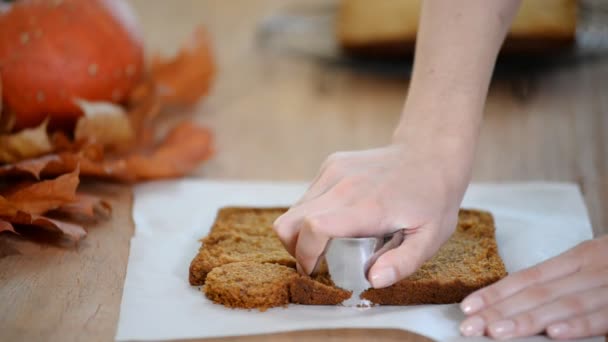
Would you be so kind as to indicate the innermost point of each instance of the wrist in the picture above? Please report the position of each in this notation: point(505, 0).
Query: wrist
point(442, 108)
point(453, 131)
point(451, 145)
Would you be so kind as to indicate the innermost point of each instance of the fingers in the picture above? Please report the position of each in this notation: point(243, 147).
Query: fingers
point(335, 167)
point(322, 182)
point(400, 262)
point(532, 311)
point(535, 296)
point(288, 225)
point(593, 324)
point(341, 196)
point(315, 230)
point(560, 266)
point(539, 319)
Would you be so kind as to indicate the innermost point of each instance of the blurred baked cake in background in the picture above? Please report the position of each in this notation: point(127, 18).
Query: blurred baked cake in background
point(388, 27)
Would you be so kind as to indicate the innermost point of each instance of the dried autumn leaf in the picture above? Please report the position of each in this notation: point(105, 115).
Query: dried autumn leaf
point(41, 197)
point(111, 169)
point(7, 121)
point(27, 143)
point(73, 231)
point(184, 147)
point(104, 123)
point(146, 106)
point(6, 226)
point(185, 78)
point(0, 94)
point(25, 204)
point(85, 208)
point(6, 208)
point(35, 166)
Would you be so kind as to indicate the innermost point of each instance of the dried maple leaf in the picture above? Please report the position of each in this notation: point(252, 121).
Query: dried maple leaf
point(6, 208)
point(6, 226)
point(24, 144)
point(26, 203)
point(85, 208)
point(184, 147)
point(104, 123)
point(73, 231)
point(7, 121)
point(36, 166)
point(40, 197)
point(145, 108)
point(185, 78)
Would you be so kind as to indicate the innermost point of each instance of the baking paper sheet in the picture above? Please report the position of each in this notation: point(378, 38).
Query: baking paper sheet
point(534, 221)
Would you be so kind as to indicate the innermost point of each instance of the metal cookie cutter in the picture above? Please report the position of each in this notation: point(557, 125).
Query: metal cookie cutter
point(347, 261)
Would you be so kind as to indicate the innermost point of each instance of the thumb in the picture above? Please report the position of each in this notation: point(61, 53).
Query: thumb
point(404, 260)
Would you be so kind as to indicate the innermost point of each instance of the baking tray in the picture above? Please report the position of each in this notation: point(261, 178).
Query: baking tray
point(307, 31)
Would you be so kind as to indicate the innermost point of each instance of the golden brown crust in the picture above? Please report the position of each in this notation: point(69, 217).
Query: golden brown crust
point(249, 285)
point(467, 262)
point(253, 285)
point(243, 264)
point(308, 291)
point(240, 234)
point(424, 292)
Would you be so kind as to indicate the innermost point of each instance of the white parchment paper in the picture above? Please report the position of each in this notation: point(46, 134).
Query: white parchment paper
point(534, 221)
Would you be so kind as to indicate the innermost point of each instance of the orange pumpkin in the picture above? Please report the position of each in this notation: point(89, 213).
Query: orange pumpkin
point(54, 51)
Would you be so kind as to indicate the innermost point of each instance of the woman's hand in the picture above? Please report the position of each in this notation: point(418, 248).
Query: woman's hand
point(406, 185)
point(566, 297)
point(416, 183)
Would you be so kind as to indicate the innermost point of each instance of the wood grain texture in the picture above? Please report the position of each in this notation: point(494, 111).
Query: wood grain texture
point(277, 118)
point(54, 293)
point(331, 335)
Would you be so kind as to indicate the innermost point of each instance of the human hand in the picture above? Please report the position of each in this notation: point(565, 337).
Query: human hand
point(566, 297)
point(411, 186)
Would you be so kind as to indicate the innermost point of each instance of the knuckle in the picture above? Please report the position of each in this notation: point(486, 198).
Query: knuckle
point(335, 158)
point(586, 247)
point(533, 274)
point(490, 295)
point(587, 244)
point(528, 323)
point(333, 169)
point(325, 165)
point(581, 326)
point(538, 293)
point(343, 187)
point(276, 225)
point(574, 304)
point(587, 251)
point(304, 254)
point(492, 314)
point(314, 223)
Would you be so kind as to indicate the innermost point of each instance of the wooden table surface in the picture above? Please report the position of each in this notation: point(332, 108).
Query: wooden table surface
point(276, 118)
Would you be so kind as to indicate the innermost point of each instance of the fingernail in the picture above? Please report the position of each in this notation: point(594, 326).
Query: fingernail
point(383, 277)
point(471, 305)
point(558, 330)
point(502, 329)
point(472, 326)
